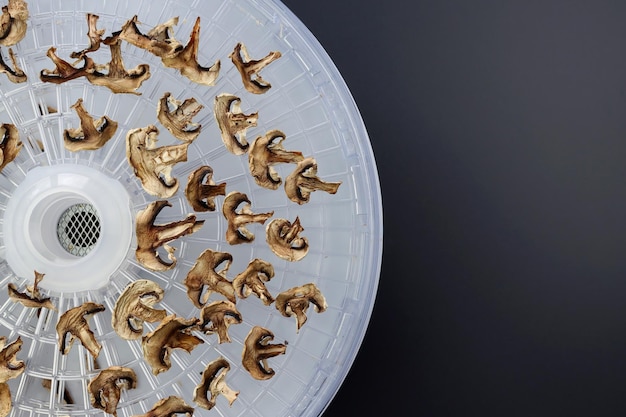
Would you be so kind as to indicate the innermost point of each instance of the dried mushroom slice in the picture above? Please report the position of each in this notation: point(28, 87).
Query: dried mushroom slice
point(92, 134)
point(6, 403)
point(32, 300)
point(257, 350)
point(249, 69)
point(93, 33)
point(152, 165)
point(157, 41)
point(236, 232)
point(233, 123)
point(176, 116)
point(296, 301)
point(13, 22)
point(186, 61)
point(16, 74)
point(134, 307)
point(204, 277)
point(201, 190)
point(152, 236)
point(303, 181)
point(64, 71)
point(106, 388)
point(75, 323)
point(266, 151)
point(10, 366)
point(10, 144)
point(169, 407)
point(214, 383)
point(283, 238)
point(252, 281)
point(217, 317)
point(173, 333)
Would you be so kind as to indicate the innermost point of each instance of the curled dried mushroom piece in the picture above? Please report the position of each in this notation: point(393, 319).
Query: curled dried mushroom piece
point(16, 74)
point(204, 277)
point(217, 317)
point(296, 301)
point(10, 144)
point(13, 22)
point(303, 181)
point(134, 307)
point(283, 238)
point(152, 236)
point(257, 350)
point(10, 368)
point(233, 123)
point(173, 333)
point(32, 300)
point(266, 151)
point(176, 117)
point(249, 69)
point(157, 41)
point(93, 33)
point(106, 388)
point(252, 281)
point(201, 190)
point(92, 134)
point(214, 382)
point(168, 407)
point(64, 71)
point(75, 323)
point(236, 232)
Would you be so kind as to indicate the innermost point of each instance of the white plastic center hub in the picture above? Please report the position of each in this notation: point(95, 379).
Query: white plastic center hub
point(70, 222)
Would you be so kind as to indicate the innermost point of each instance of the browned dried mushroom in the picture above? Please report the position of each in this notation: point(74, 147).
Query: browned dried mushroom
point(186, 61)
point(217, 317)
point(152, 165)
point(157, 41)
point(283, 238)
point(173, 333)
point(303, 181)
point(168, 407)
point(134, 307)
point(106, 388)
point(252, 281)
point(93, 33)
point(13, 22)
point(256, 351)
point(75, 323)
point(92, 134)
point(249, 69)
point(152, 236)
point(203, 274)
point(64, 71)
point(236, 232)
point(201, 190)
point(10, 368)
point(15, 74)
point(266, 151)
point(5, 399)
point(176, 116)
point(32, 300)
point(296, 301)
point(10, 144)
point(214, 382)
point(233, 123)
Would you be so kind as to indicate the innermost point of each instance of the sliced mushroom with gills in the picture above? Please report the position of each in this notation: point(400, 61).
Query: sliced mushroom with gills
point(105, 390)
point(10, 368)
point(233, 123)
point(249, 68)
point(214, 383)
point(169, 407)
point(205, 278)
point(257, 350)
point(176, 116)
point(173, 333)
point(303, 181)
point(253, 279)
point(150, 236)
point(92, 134)
point(201, 189)
point(13, 22)
point(10, 144)
point(266, 151)
point(64, 71)
point(16, 74)
point(217, 317)
point(295, 302)
point(158, 41)
point(152, 165)
point(237, 233)
point(75, 323)
point(32, 300)
point(93, 33)
point(135, 306)
point(283, 238)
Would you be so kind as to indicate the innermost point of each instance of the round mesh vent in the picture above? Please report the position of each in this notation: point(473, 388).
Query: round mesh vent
point(78, 229)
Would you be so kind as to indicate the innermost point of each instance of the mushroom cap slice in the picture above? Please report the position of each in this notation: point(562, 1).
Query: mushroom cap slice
point(152, 165)
point(32, 300)
point(92, 134)
point(213, 382)
point(168, 407)
point(296, 301)
point(134, 307)
point(16, 74)
point(151, 236)
point(256, 351)
point(10, 144)
point(266, 151)
point(13, 22)
point(176, 117)
point(201, 190)
point(252, 281)
point(204, 274)
point(233, 123)
point(249, 69)
point(74, 322)
point(106, 388)
point(236, 232)
point(10, 366)
point(303, 181)
point(173, 333)
point(157, 41)
point(220, 315)
point(283, 238)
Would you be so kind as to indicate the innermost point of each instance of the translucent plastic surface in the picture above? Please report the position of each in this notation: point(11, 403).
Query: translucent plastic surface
point(308, 102)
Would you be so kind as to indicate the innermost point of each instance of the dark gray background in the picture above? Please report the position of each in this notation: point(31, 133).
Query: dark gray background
point(499, 129)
